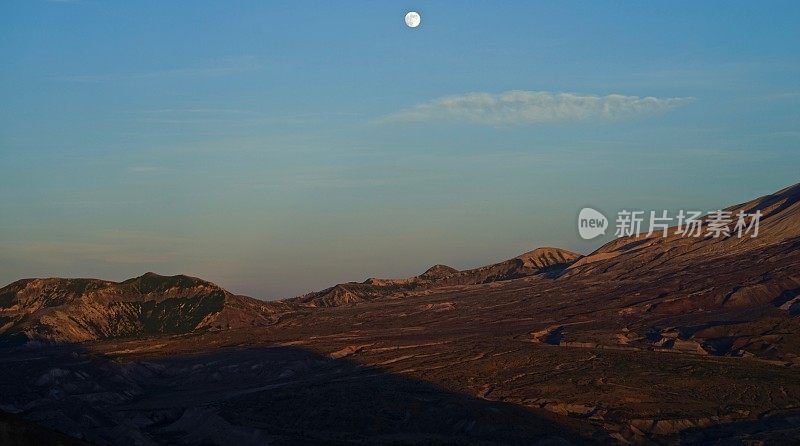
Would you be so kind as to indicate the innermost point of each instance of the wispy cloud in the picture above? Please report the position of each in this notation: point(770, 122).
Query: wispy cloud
point(217, 68)
point(531, 107)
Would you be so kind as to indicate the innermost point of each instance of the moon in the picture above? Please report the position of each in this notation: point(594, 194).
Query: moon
point(413, 19)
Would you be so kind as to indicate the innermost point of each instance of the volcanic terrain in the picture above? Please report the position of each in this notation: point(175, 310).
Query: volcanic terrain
point(648, 340)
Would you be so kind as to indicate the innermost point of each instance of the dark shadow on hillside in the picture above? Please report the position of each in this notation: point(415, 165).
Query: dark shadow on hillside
point(778, 429)
point(555, 271)
point(253, 396)
point(16, 431)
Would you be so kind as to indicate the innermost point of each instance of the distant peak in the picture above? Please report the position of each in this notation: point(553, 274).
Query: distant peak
point(154, 282)
point(151, 275)
point(438, 271)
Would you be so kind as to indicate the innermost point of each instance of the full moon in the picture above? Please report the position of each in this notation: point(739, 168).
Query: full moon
point(412, 19)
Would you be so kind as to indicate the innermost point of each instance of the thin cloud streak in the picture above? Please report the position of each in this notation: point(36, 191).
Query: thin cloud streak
point(520, 107)
point(222, 67)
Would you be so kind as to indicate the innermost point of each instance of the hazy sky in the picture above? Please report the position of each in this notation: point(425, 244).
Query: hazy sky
point(278, 148)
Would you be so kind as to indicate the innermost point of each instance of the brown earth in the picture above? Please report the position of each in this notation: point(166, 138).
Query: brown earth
point(645, 341)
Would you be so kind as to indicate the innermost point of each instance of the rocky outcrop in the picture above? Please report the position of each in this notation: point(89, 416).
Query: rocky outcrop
point(75, 310)
point(538, 261)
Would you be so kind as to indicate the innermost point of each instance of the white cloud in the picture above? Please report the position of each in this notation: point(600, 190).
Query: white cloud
point(531, 107)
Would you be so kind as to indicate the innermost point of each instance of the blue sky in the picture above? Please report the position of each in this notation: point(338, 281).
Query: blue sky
point(280, 147)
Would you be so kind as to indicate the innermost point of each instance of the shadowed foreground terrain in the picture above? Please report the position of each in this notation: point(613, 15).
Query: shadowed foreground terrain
point(675, 340)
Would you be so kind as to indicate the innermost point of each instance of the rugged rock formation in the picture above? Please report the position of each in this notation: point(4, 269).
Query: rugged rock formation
point(75, 310)
point(538, 261)
point(648, 340)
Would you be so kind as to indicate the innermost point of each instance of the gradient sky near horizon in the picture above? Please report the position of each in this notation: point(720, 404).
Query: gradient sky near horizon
point(277, 148)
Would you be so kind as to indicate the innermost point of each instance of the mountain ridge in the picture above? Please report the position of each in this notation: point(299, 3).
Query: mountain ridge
point(81, 309)
point(534, 262)
point(647, 340)
point(75, 310)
